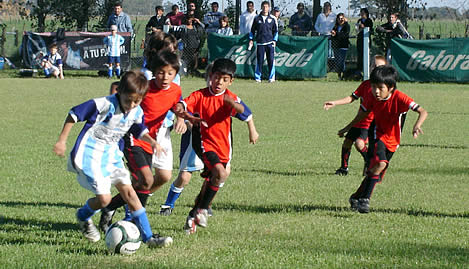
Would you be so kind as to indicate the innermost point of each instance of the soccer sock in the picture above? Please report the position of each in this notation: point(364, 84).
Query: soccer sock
point(115, 203)
point(360, 190)
point(364, 153)
point(370, 183)
point(128, 215)
point(173, 195)
point(143, 197)
point(109, 72)
point(46, 72)
point(345, 157)
point(86, 212)
point(208, 196)
point(141, 220)
point(118, 71)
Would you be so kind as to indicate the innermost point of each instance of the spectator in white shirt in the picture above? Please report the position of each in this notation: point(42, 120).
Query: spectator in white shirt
point(325, 21)
point(246, 19)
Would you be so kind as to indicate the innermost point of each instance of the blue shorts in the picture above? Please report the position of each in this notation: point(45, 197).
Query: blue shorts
point(114, 59)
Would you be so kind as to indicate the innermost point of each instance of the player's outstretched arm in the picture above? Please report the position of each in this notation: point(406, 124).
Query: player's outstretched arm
point(61, 144)
point(253, 135)
point(360, 116)
point(180, 112)
point(180, 127)
point(417, 130)
point(154, 145)
point(230, 102)
point(330, 104)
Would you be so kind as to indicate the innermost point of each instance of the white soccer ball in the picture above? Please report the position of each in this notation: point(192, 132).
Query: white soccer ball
point(123, 237)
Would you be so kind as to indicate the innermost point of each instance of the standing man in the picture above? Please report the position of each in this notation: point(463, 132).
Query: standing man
point(324, 24)
point(212, 19)
point(300, 22)
point(280, 22)
point(246, 19)
point(156, 22)
point(120, 19)
point(264, 29)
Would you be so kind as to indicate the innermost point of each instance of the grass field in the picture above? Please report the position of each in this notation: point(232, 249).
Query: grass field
point(282, 207)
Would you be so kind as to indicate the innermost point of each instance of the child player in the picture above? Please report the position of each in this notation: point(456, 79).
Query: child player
point(214, 105)
point(358, 134)
point(388, 105)
point(113, 43)
point(162, 95)
point(190, 162)
point(97, 159)
point(52, 63)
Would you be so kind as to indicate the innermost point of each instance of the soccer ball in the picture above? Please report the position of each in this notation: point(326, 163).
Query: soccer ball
point(123, 237)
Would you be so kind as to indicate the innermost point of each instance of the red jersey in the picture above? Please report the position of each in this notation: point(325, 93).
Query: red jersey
point(210, 107)
point(388, 115)
point(362, 90)
point(155, 105)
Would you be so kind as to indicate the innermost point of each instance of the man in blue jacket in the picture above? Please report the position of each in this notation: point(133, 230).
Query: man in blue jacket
point(264, 30)
point(119, 18)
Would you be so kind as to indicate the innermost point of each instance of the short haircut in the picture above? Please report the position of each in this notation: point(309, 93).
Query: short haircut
point(300, 5)
point(365, 10)
point(386, 74)
point(159, 8)
point(224, 66)
point(214, 3)
point(265, 3)
point(164, 58)
point(53, 46)
point(133, 81)
point(174, 6)
point(159, 41)
point(249, 3)
point(117, 4)
point(114, 85)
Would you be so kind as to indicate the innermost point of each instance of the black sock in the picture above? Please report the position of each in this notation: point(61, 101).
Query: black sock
point(364, 153)
point(370, 183)
point(143, 197)
point(344, 157)
point(115, 203)
point(208, 196)
point(360, 190)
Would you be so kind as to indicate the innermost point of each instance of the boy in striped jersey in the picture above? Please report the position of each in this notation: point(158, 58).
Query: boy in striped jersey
point(113, 43)
point(97, 159)
point(388, 105)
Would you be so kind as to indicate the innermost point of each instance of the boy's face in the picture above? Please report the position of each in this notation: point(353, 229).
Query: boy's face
point(164, 76)
point(53, 51)
point(219, 82)
point(130, 101)
point(381, 91)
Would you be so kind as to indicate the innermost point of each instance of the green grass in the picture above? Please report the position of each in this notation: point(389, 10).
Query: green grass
point(282, 207)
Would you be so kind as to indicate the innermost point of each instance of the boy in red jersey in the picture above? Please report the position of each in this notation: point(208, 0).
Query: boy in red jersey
point(162, 95)
point(214, 105)
point(388, 106)
point(358, 134)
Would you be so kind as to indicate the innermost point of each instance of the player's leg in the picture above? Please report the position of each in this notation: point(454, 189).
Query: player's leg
point(118, 66)
point(175, 191)
point(360, 145)
point(110, 61)
point(140, 218)
point(260, 62)
point(270, 52)
point(162, 163)
point(344, 157)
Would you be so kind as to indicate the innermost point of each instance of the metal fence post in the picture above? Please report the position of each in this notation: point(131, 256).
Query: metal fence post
point(366, 53)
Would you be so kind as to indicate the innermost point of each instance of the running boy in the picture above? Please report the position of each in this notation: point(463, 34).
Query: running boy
point(113, 43)
point(388, 105)
point(162, 95)
point(52, 63)
point(214, 105)
point(97, 159)
point(358, 134)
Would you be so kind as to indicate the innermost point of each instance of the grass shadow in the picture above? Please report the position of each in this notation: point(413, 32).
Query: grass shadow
point(434, 146)
point(285, 173)
point(45, 204)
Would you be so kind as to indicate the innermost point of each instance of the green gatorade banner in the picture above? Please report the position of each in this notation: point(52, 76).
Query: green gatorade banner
point(432, 60)
point(296, 57)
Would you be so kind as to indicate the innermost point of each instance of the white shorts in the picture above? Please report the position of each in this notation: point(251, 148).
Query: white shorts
point(164, 161)
point(99, 184)
point(53, 69)
point(189, 161)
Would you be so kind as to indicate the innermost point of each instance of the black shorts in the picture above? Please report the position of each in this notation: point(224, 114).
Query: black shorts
point(357, 133)
point(210, 159)
point(380, 154)
point(137, 159)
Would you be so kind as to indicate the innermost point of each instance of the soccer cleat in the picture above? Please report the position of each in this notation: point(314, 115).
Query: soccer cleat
point(353, 203)
point(165, 210)
point(106, 219)
point(271, 80)
point(210, 212)
point(341, 171)
point(364, 205)
point(189, 226)
point(201, 217)
point(157, 240)
point(89, 230)
point(258, 81)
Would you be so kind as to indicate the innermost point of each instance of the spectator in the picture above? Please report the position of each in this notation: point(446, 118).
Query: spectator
point(190, 34)
point(225, 28)
point(246, 19)
point(364, 21)
point(156, 22)
point(175, 17)
point(264, 29)
point(393, 29)
point(280, 22)
point(52, 63)
point(324, 24)
point(340, 43)
point(113, 43)
point(212, 19)
point(300, 22)
point(120, 19)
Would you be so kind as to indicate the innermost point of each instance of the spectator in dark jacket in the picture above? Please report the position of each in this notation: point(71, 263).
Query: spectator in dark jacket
point(156, 22)
point(364, 21)
point(393, 29)
point(340, 42)
point(300, 22)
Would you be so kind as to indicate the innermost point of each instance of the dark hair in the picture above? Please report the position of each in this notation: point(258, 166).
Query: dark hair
point(300, 4)
point(53, 45)
point(214, 3)
point(118, 4)
point(366, 11)
point(133, 81)
point(265, 3)
point(174, 6)
point(115, 84)
point(224, 18)
point(249, 2)
point(386, 74)
point(337, 18)
point(162, 59)
point(159, 41)
point(159, 8)
point(224, 66)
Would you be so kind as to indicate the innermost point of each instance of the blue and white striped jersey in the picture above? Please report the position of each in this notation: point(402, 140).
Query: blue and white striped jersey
point(113, 44)
point(96, 151)
point(55, 59)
